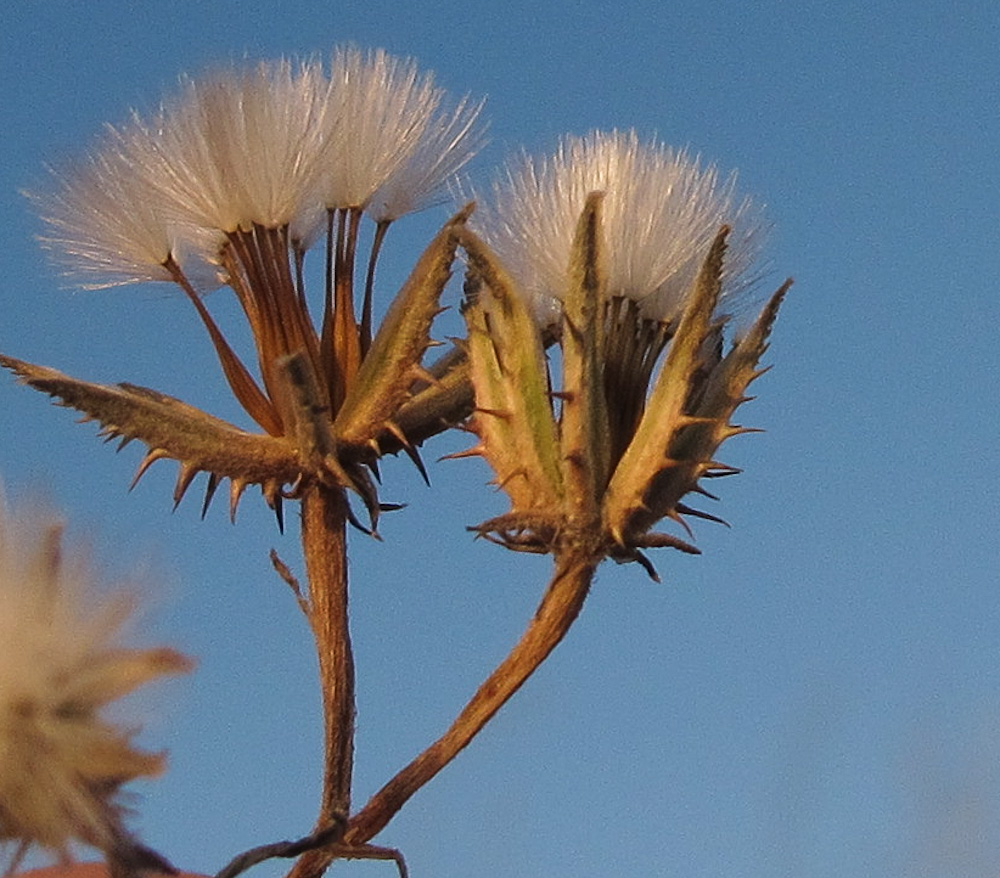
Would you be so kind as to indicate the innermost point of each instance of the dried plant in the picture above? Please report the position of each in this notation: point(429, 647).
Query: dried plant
point(613, 250)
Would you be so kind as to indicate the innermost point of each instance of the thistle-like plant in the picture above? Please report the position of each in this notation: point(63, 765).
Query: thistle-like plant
point(620, 249)
point(613, 251)
point(62, 763)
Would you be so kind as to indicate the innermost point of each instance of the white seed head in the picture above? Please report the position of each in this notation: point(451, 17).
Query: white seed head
point(275, 144)
point(449, 143)
point(103, 223)
point(61, 663)
point(661, 211)
point(239, 148)
point(381, 109)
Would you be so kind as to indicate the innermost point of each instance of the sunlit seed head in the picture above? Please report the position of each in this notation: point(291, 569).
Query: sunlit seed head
point(238, 148)
point(660, 212)
point(61, 662)
point(381, 107)
point(449, 142)
point(273, 144)
point(104, 223)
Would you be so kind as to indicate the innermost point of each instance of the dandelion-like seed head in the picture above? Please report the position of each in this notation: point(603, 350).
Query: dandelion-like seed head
point(238, 176)
point(661, 211)
point(104, 225)
point(622, 254)
point(61, 663)
point(238, 148)
point(449, 143)
point(381, 109)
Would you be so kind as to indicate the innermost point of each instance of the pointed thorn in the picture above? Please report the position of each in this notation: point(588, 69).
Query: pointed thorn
point(684, 509)
point(646, 565)
point(213, 483)
point(666, 541)
point(700, 490)
point(674, 515)
point(150, 458)
point(353, 519)
point(395, 430)
point(184, 479)
point(475, 451)
point(274, 500)
point(501, 483)
point(717, 468)
point(362, 485)
point(415, 458)
point(236, 489)
point(735, 430)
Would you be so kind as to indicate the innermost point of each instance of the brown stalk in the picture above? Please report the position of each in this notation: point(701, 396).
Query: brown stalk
point(250, 396)
point(324, 544)
point(366, 308)
point(346, 342)
point(292, 306)
point(557, 611)
point(233, 261)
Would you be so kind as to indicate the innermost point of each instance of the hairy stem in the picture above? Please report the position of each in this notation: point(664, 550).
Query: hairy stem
point(558, 610)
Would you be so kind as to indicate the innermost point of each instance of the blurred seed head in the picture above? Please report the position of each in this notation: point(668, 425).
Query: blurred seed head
point(62, 662)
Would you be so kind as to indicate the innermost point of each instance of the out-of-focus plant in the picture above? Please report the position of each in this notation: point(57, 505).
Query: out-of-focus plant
point(614, 251)
point(62, 662)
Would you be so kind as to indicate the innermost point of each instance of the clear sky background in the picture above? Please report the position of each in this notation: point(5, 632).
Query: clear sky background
point(816, 695)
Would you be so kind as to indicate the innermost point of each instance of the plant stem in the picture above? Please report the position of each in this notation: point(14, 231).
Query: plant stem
point(324, 544)
point(557, 611)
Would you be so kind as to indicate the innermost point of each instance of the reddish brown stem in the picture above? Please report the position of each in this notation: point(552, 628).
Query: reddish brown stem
point(558, 610)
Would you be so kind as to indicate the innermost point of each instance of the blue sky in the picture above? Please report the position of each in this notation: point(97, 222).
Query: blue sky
point(818, 694)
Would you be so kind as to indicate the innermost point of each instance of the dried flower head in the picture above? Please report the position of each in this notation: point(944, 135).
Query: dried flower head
point(62, 763)
point(617, 252)
point(231, 182)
